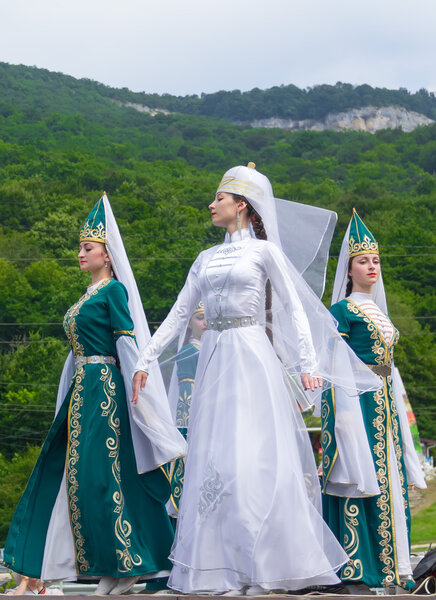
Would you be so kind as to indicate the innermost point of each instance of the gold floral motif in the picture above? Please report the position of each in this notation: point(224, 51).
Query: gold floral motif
point(70, 325)
point(123, 528)
point(365, 246)
point(381, 451)
point(353, 570)
point(184, 403)
point(93, 233)
point(177, 479)
point(74, 429)
point(326, 438)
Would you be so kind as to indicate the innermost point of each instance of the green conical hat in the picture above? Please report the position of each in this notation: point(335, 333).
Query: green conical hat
point(360, 239)
point(94, 228)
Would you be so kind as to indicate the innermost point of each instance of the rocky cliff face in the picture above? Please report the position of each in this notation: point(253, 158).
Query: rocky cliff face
point(142, 108)
point(369, 119)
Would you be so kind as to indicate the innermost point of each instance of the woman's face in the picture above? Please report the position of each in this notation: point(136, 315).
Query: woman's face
point(223, 210)
point(197, 325)
point(364, 271)
point(92, 256)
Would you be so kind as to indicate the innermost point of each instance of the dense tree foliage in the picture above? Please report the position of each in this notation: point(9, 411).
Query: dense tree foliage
point(160, 174)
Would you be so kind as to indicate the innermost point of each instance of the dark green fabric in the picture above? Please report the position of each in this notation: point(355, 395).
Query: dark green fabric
point(364, 526)
point(24, 546)
point(118, 518)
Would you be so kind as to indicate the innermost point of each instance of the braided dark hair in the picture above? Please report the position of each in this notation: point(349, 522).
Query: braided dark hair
point(260, 233)
point(349, 287)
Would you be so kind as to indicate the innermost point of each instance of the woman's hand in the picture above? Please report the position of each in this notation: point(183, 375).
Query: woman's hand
point(139, 381)
point(310, 383)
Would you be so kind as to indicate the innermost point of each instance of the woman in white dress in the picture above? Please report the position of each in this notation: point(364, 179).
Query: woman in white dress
point(250, 514)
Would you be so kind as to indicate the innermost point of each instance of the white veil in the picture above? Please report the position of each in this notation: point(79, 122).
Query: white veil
point(414, 471)
point(337, 364)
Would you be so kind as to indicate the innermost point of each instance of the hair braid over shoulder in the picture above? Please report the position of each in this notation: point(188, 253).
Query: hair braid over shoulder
point(260, 233)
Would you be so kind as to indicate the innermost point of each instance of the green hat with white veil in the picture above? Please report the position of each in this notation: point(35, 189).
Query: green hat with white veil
point(94, 228)
point(360, 239)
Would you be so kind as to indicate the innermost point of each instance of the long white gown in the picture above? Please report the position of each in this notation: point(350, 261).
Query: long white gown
point(250, 511)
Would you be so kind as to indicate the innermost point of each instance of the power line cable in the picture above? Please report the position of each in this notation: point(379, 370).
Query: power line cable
point(190, 239)
point(178, 258)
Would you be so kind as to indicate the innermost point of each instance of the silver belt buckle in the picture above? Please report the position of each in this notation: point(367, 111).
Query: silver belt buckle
point(95, 359)
point(223, 323)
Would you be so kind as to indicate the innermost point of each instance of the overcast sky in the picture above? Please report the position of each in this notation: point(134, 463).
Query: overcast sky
point(193, 46)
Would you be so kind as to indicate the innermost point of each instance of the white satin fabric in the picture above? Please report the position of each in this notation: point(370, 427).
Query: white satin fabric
point(230, 280)
point(250, 512)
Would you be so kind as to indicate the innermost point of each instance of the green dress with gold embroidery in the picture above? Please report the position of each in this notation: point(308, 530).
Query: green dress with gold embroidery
point(366, 526)
point(119, 524)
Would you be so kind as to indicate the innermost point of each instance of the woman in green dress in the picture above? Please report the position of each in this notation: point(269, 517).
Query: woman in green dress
point(94, 505)
point(372, 527)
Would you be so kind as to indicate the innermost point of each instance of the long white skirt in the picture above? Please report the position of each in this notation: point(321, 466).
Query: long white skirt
point(250, 511)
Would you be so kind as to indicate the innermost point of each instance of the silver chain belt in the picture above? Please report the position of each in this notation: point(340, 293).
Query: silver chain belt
point(380, 370)
point(96, 359)
point(222, 323)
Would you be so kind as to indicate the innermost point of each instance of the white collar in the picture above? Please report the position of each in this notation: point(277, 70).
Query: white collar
point(91, 288)
point(361, 297)
point(238, 235)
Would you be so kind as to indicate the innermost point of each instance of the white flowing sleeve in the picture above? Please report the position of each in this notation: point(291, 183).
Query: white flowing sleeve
point(155, 438)
point(415, 474)
point(65, 381)
point(177, 319)
point(278, 272)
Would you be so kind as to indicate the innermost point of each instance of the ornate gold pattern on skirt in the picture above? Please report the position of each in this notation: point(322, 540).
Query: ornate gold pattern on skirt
point(381, 451)
point(176, 480)
point(326, 436)
point(123, 528)
point(184, 402)
point(72, 459)
point(353, 570)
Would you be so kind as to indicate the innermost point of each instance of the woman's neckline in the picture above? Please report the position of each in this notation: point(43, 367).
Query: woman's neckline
point(362, 296)
point(95, 285)
point(238, 236)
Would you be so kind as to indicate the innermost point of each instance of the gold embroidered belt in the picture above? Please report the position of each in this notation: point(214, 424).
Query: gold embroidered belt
point(222, 323)
point(96, 359)
point(380, 370)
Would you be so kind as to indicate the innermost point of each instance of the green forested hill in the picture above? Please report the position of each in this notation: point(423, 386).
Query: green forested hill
point(40, 91)
point(160, 174)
